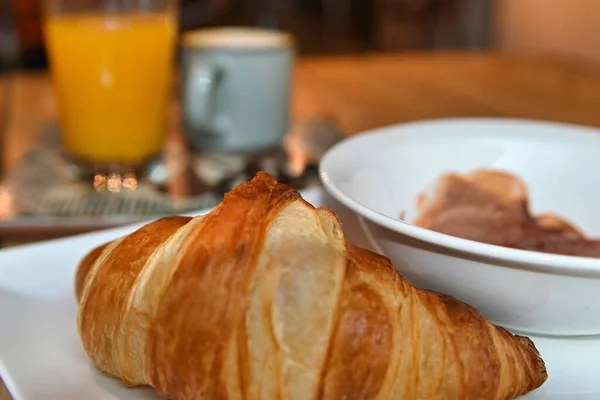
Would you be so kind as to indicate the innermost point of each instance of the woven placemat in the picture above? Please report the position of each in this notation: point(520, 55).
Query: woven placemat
point(41, 187)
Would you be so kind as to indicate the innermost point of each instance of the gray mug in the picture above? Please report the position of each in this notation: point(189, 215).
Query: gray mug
point(236, 88)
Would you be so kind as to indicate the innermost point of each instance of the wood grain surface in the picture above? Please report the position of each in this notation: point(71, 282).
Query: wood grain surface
point(363, 92)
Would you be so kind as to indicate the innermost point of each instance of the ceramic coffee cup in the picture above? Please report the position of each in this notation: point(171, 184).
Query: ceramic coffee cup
point(236, 88)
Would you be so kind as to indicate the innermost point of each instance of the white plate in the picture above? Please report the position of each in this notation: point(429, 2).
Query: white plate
point(41, 356)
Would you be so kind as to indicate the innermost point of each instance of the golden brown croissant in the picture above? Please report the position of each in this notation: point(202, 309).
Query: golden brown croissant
point(263, 299)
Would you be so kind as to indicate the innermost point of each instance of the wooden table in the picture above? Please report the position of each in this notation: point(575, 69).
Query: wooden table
point(363, 92)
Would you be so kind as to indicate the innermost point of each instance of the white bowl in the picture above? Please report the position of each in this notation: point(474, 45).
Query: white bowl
point(379, 174)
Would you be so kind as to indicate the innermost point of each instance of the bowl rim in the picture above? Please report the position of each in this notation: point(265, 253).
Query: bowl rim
point(517, 259)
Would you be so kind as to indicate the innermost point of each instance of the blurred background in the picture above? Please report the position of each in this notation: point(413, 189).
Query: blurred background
point(358, 64)
point(565, 28)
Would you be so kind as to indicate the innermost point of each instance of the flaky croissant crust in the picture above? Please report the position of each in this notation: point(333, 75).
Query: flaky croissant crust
point(263, 298)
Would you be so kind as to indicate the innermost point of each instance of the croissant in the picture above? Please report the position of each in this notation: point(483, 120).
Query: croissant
point(263, 298)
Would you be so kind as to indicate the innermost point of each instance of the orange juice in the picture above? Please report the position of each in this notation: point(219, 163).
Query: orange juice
point(112, 76)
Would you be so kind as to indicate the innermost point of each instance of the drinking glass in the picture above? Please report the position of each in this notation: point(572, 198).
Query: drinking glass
point(112, 68)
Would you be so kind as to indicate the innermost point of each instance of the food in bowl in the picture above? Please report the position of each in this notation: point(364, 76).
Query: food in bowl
point(492, 206)
point(379, 173)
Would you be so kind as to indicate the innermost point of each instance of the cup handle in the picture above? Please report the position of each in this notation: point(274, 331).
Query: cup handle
point(200, 95)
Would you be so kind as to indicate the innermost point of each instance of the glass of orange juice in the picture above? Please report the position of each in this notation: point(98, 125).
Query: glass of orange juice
point(112, 66)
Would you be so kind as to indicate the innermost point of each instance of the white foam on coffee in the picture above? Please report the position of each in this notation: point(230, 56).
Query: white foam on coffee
point(236, 38)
